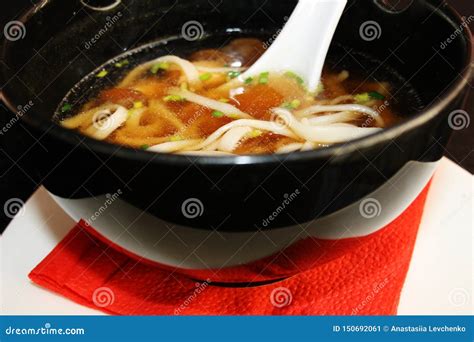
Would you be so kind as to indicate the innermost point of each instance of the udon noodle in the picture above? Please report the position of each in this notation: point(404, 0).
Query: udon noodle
point(204, 106)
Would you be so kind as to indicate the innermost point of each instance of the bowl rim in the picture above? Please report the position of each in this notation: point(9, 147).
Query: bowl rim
point(336, 150)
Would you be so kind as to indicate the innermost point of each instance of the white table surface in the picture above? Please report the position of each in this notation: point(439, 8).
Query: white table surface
point(439, 282)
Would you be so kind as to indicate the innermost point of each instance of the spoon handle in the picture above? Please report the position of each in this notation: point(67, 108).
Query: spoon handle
point(302, 45)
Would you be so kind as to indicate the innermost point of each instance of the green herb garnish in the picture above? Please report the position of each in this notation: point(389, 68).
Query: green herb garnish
point(263, 79)
point(376, 95)
point(248, 80)
point(176, 138)
point(255, 133)
point(367, 97)
point(145, 147)
point(159, 66)
point(233, 74)
point(319, 89)
point(233, 116)
point(292, 105)
point(66, 108)
point(137, 104)
point(362, 98)
point(173, 98)
point(217, 114)
point(121, 63)
point(102, 74)
point(295, 76)
point(205, 77)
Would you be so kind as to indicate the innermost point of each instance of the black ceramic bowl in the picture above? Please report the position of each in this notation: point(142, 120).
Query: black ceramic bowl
point(427, 45)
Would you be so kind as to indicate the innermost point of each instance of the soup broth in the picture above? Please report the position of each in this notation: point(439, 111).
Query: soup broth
point(203, 105)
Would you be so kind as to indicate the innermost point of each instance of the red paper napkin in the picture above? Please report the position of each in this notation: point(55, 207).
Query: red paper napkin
point(366, 280)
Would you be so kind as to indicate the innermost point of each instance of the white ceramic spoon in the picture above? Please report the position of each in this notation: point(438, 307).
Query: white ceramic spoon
point(303, 43)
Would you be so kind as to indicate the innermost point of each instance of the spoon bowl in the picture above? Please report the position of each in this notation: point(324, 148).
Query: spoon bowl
point(302, 45)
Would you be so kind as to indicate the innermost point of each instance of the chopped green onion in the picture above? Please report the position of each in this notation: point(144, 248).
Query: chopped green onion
point(233, 116)
point(233, 74)
point(217, 114)
point(205, 77)
point(263, 79)
point(176, 138)
point(298, 78)
point(248, 80)
point(159, 66)
point(66, 108)
point(362, 98)
point(366, 97)
point(173, 98)
point(292, 105)
point(376, 95)
point(295, 103)
point(137, 104)
point(103, 73)
point(255, 133)
point(320, 88)
point(121, 63)
point(145, 147)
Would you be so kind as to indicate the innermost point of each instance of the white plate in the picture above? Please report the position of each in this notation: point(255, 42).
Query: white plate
point(440, 280)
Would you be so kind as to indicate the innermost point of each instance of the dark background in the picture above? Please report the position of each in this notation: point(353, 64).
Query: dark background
point(15, 182)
